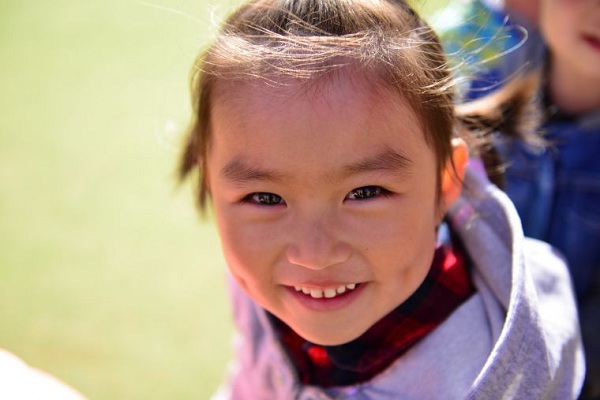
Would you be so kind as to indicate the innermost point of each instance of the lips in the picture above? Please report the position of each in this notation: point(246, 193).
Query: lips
point(593, 41)
point(328, 293)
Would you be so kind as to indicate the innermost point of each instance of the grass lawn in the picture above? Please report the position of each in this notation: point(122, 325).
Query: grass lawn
point(108, 278)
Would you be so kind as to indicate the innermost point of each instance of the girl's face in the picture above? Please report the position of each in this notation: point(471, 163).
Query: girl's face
point(325, 201)
point(571, 28)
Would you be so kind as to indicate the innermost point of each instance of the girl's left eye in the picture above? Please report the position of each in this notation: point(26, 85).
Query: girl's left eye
point(367, 192)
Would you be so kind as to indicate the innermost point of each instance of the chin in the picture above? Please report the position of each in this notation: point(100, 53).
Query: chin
point(329, 338)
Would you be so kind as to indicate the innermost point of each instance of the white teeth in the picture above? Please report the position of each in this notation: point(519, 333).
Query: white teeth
point(328, 293)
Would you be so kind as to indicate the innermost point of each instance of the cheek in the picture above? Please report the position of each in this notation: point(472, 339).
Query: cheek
point(406, 231)
point(248, 250)
point(558, 22)
point(237, 243)
point(400, 256)
point(238, 254)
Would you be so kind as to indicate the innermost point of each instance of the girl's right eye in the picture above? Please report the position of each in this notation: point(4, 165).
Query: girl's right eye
point(264, 199)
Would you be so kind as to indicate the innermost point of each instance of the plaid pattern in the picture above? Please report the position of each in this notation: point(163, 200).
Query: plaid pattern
point(445, 288)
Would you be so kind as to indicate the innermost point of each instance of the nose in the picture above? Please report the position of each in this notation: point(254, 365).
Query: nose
point(314, 244)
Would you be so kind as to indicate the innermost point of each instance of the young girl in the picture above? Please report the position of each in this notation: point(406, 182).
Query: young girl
point(361, 269)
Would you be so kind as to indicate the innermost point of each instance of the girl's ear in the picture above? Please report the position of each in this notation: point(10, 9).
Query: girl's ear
point(453, 174)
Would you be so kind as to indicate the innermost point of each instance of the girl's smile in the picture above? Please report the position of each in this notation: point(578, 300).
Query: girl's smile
point(328, 292)
point(325, 198)
point(329, 299)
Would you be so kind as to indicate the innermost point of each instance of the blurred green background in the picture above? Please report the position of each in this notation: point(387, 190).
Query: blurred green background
point(109, 280)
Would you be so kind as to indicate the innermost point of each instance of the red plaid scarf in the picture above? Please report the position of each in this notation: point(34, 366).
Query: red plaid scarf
point(446, 287)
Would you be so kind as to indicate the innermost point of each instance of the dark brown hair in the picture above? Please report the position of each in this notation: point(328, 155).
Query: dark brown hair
point(267, 40)
point(513, 111)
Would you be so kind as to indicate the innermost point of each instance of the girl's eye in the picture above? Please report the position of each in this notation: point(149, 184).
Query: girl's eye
point(367, 192)
point(264, 199)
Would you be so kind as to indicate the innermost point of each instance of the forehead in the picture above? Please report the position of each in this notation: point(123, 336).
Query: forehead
point(345, 92)
point(315, 132)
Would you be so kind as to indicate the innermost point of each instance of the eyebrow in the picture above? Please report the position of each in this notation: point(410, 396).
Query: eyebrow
point(387, 160)
point(238, 171)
